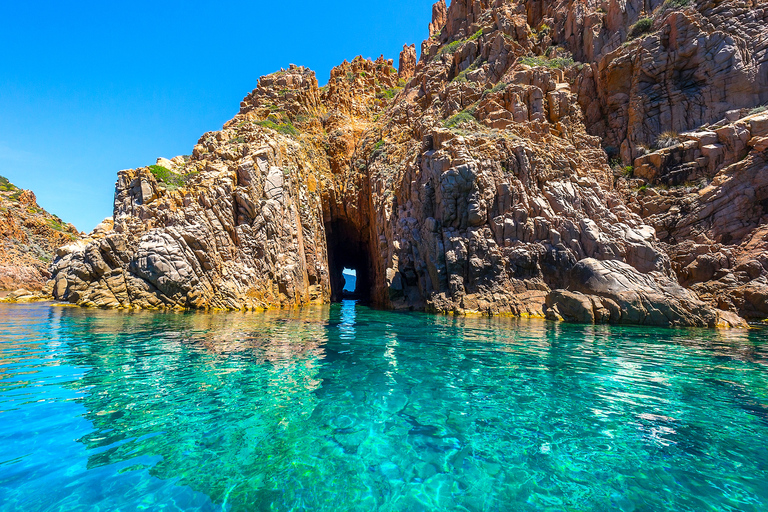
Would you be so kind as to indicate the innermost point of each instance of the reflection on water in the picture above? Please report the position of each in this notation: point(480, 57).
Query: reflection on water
point(348, 317)
point(346, 408)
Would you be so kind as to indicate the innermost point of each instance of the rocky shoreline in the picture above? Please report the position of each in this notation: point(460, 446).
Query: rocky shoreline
point(545, 158)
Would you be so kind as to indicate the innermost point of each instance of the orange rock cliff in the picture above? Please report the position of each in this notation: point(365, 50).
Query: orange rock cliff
point(592, 161)
point(29, 237)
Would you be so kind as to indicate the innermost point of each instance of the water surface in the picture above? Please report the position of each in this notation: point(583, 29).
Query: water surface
point(346, 408)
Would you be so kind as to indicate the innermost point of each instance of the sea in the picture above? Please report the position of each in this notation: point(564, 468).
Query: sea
point(346, 408)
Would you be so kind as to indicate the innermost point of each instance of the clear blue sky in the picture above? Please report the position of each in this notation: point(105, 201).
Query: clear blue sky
point(88, 88)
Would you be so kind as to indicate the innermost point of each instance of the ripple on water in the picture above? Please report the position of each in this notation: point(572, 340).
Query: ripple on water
point(346, 408)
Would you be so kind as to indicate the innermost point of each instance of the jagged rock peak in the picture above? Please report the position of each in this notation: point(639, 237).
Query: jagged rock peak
point(295, 90)
point(407, 65)
point(439, 17)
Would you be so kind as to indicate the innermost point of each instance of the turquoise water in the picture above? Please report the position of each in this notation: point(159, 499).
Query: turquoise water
point(346, 408)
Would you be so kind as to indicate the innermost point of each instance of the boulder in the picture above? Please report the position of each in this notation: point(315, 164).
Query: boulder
point(614, 292)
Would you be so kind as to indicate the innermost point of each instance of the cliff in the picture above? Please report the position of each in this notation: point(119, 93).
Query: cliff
point(29, 237)
point(588, 161)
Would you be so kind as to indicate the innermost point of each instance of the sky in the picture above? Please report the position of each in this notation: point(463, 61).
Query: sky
point(89, 88)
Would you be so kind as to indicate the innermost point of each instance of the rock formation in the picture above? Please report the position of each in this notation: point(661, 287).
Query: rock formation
point(479, 179)
point(613, 292)
point(706, 195)
point(28, 238)
point(407, 62)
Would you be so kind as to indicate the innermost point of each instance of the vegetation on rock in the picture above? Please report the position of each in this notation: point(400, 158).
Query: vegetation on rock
point(170, 179)
point(666, 139)
point(554, 63)
point(643, 26)
point(284, 128)
point(464, 116)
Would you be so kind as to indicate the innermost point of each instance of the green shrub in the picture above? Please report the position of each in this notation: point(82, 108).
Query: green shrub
point(169, 178)
point(284, 128)
point(388, 93)
point(449, 49)
point(462, 77)
point(674, 4)
point(557, 62)
point(476, 35)
point(758, 110)
point(172, 180)
point(462, 117)
point(56, 224)
point(6, 186)
point(496, 88)
point(288, 129)
point(378, 149)
point(643, 26)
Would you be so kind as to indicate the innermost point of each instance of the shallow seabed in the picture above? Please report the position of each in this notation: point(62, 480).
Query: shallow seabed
point(347, 408)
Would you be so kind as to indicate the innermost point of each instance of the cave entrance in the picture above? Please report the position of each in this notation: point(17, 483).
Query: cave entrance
point(349, 262)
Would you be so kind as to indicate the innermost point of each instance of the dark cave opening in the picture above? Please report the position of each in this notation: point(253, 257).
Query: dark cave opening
point(348, 249)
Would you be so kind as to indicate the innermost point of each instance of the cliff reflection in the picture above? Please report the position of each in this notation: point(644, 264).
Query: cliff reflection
point(208, 399)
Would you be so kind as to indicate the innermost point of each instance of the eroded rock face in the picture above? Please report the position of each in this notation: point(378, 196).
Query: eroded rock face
point(244, 232)
point(690, 66)
point(707, 197)
point(473, 180)
point(439, 17)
